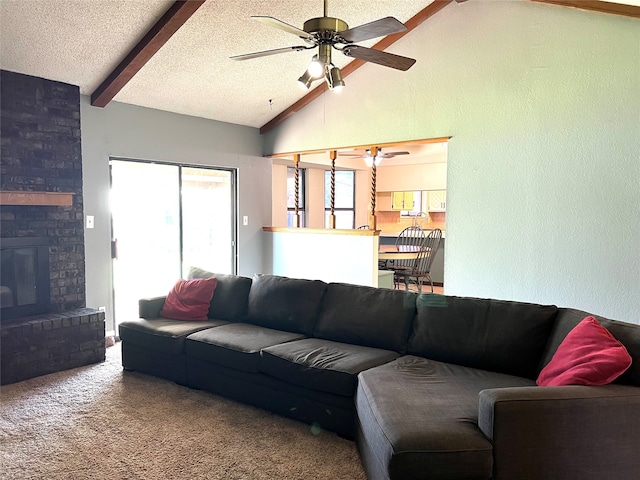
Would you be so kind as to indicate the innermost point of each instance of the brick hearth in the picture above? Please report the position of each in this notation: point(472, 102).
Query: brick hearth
point(33, 346)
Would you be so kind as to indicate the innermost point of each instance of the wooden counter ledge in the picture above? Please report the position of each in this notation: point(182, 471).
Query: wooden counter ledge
point(325, 231)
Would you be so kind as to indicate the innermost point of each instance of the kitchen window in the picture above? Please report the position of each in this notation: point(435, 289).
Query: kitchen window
point(344, 207)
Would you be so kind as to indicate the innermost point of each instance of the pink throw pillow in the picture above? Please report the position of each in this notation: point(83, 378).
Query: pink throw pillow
point(189, 299)
point(589, 355)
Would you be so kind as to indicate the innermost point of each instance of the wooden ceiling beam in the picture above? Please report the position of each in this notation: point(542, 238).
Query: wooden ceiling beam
point(597, 6)
point(160, 33)
point(387, 41)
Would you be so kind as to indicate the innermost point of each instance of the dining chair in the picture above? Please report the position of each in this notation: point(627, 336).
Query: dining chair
point(410, 238)
point(420, 269)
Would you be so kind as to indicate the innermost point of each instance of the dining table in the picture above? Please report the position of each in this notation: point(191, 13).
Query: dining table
point(398, 252)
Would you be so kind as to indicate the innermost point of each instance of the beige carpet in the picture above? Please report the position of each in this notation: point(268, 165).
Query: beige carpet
point(100, 422)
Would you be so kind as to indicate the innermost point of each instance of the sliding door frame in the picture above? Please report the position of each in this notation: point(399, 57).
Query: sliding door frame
point(233, 173)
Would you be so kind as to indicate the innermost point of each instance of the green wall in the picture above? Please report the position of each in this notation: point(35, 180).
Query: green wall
point(543, 106)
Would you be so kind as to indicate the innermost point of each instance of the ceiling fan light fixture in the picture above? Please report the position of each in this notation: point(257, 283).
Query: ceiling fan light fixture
point(315, 68)
point(320, 62)
point(327, 33)
point(369, 160)
point(334, 78)
point(305, 80)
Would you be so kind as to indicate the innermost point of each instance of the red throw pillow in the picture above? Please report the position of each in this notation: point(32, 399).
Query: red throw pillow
point(189, 299)
point(589, 355)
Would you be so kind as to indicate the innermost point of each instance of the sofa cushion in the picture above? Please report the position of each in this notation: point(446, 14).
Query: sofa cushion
point(290, 304)
point(501, 336)
point(230, 299)
point(189, 299)
point(237, 345)
point(626, 333)
point(322, 364)
point(419, 415)
point(162, 334)
point(589, 355)
point(373, 317)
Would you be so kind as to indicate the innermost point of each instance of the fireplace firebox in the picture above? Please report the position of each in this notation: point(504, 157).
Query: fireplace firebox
point(24, 277)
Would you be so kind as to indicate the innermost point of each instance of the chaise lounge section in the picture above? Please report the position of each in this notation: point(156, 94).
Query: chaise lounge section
point(430, 387)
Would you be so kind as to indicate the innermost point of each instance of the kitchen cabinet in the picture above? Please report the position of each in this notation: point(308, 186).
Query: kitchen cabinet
point(402, 201)
point(383, 201)
point(437, 201)
point(388, 201)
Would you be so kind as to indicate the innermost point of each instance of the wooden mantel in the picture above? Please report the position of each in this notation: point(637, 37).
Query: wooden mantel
point(57, 199)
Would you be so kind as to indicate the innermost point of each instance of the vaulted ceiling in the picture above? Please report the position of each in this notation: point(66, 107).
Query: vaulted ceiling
point(189, 72)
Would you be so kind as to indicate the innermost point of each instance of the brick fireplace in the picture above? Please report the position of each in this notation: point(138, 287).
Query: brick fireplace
point(41, 193)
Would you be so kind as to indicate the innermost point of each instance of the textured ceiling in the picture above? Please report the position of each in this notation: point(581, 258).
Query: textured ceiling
point(72, 41)
point(81, 41)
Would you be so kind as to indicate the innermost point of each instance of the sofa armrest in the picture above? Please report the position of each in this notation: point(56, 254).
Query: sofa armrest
point(570, 432)
point(150, 307)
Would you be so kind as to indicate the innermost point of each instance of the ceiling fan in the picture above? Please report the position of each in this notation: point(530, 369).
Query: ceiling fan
point(326, 33)
point(368, 158)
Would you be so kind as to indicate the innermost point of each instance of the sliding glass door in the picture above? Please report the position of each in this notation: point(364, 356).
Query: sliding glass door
point(166, 219)
point(207, 220)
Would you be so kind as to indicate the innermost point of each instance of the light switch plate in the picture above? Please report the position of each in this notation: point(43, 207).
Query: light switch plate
point(245, 220)
point(89, 221)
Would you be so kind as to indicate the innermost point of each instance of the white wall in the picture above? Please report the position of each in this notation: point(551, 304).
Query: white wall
point(543, 184)
point(430, 176)
point(318, 255)
point(128, 131)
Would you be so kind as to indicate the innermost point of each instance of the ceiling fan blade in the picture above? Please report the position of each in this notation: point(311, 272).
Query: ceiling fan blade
point(279, 24)
point(377, 28)
point(393, 154)
point(264, 53)
point(377, 56)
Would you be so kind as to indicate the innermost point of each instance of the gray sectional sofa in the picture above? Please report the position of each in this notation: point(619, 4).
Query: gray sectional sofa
point(430, 387)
